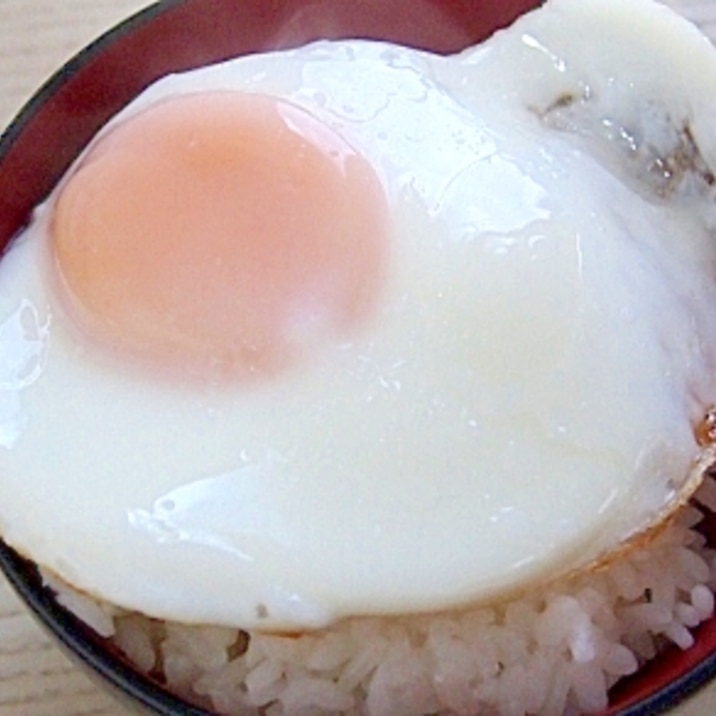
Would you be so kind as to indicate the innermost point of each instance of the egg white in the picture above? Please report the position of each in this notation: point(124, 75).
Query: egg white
point(522, 400)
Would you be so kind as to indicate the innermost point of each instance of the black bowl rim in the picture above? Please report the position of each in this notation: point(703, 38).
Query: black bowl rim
point(76, 62)
point(84, 644)
point(676, 692)
point(74, 634)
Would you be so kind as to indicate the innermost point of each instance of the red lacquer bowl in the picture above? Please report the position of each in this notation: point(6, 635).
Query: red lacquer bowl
point(172, 36)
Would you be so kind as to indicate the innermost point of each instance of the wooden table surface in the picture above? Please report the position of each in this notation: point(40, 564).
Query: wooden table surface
point(36, 37)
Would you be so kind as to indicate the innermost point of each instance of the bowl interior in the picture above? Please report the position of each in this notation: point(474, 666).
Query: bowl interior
point(173, 36)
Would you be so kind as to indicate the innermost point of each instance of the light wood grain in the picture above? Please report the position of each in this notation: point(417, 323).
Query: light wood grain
point(37, 37)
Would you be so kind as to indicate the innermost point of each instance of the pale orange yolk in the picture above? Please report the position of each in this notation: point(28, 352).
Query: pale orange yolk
point(221, 233)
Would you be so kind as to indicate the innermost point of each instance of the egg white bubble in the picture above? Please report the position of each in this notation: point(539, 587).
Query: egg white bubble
point(522, 400)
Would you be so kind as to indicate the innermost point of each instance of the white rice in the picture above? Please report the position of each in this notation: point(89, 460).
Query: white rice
point(556, 652)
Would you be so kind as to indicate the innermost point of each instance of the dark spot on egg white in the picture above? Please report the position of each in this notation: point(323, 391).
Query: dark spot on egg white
point(665, 171)
point(685, 159)
point(262, 611)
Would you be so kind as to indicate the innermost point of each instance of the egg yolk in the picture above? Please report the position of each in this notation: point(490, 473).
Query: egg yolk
point(220, 233)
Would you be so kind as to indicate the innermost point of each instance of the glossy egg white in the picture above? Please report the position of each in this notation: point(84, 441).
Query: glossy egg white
point(522, 400)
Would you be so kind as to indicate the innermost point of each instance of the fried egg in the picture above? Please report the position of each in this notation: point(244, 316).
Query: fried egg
point(357, 329)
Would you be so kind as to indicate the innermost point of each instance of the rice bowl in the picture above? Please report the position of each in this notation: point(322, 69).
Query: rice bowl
point(342, 668)
point(598, 629)
point(206, 663)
